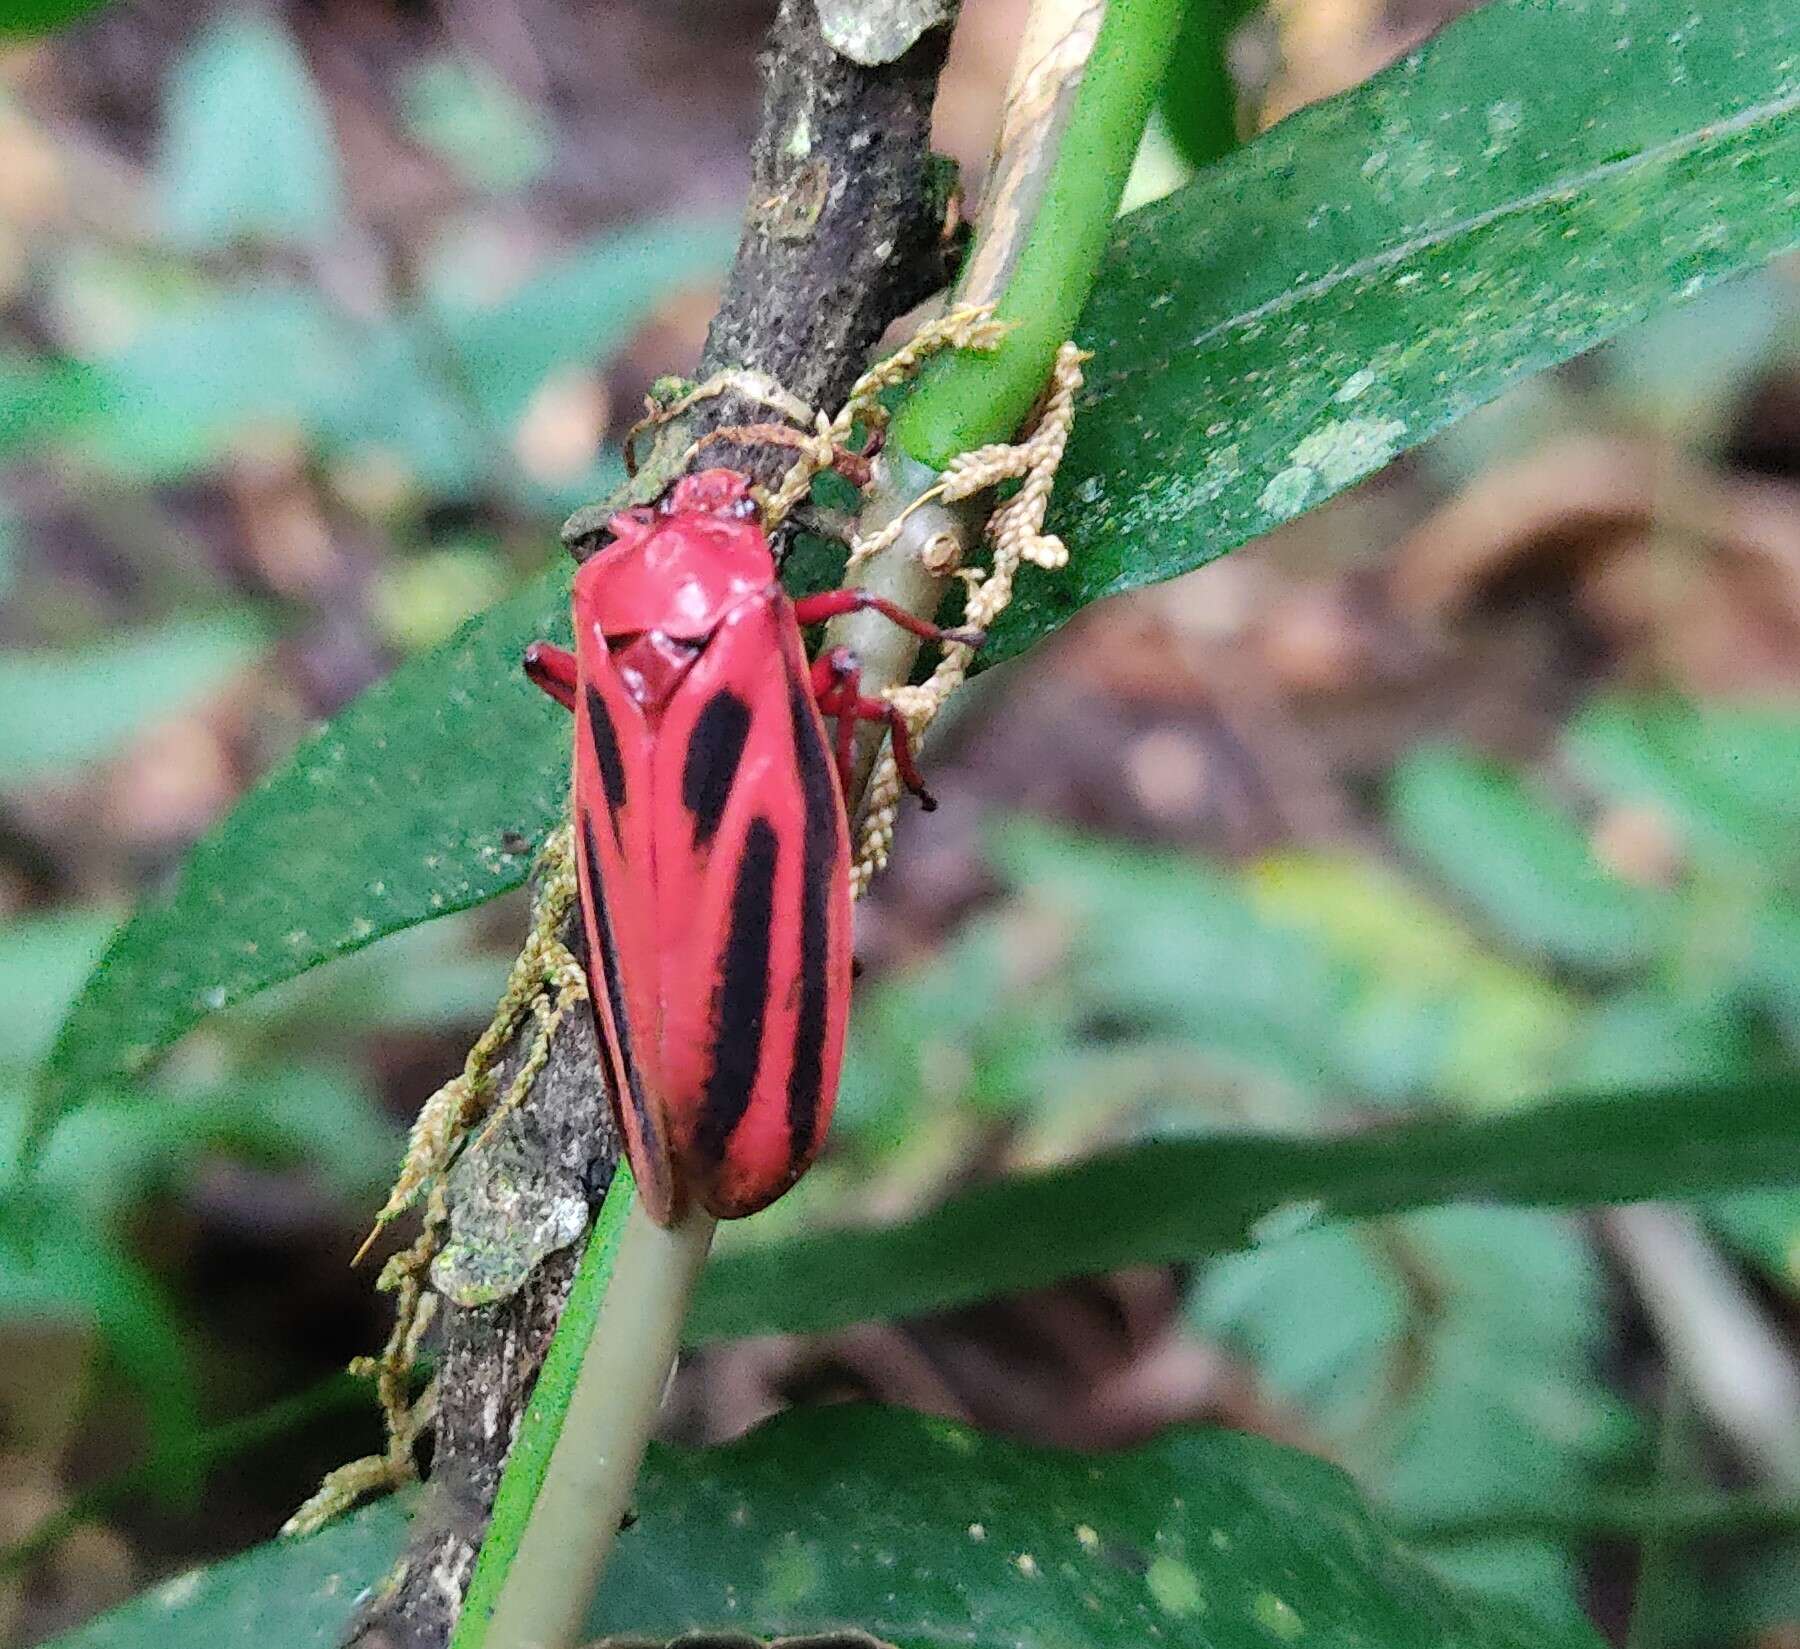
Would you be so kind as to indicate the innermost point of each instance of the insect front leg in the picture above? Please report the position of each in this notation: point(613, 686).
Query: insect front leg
point(553, 669)
point(815, 609)
point(836, 676)
point(837, 684)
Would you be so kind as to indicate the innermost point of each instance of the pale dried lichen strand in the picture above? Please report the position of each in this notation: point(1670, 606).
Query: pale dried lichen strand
point(545, 983)
point(1016, 531)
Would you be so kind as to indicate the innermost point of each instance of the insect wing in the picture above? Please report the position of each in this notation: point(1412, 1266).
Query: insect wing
point(614, 811)
point(753, 912)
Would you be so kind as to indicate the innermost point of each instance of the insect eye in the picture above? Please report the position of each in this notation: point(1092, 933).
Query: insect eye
point(627, 525)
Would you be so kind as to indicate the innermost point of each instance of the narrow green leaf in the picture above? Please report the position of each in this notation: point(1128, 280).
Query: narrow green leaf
point(920, 1533)
point(1180, 1199)
point(399, 810)
point(1198, 103)
point(248, 148)
point(1538, 176)
point(1522, 864)
point(64, 709)
point(53, 1269)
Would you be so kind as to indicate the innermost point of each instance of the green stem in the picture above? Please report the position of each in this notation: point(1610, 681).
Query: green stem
point(967, 399)
point(559, 1508)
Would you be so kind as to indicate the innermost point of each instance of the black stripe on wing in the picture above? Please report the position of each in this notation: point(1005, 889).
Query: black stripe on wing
point(740, 1003)
point(820, 848)
point(605, 739)
point(614, 986)
point(709, 769)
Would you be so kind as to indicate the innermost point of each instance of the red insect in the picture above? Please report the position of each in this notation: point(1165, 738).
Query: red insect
point(712, 848)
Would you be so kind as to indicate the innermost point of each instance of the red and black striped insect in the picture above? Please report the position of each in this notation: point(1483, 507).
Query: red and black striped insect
point(711, 844)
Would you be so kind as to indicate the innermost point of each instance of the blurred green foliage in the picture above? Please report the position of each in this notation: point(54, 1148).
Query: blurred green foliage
point(248, 151)
point(27, 17)
point(67, 709)
point(1453, 1358)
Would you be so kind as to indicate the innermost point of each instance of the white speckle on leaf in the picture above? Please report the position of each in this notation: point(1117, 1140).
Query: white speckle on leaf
point(1340, 451)
point(1354, 385)
point(1276, 1615)
point(1287, 1219)
point(1182, 496)
point(1503, 120)
point(172, 1594)
point(1287, 491)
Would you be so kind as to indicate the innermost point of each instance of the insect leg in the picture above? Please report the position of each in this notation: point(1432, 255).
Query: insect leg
point(901, 734)
point(814, 609)
point(837, 683)
point(836, 680)
point(553, 669)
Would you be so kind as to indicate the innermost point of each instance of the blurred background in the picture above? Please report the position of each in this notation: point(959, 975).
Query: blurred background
point(1475, 787)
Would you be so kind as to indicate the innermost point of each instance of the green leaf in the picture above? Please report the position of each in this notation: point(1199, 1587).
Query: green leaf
point(1177, 1200)
point(40, 16)
point(1436, 1015)
point(192, 378)
point(1455, 1372)
point(1721, 774)
point(921, 1532)
point(64, 709)
point(582, 308)
point(43, 960)
point(394, 400)
point(399, 810)
point(1198, 102)
point(40, 399)
point(1774, 965)
point(248, 149)
point(1522, 864)
point(1165, 944)
point(128, 1145)
point(469, 116)
point(1540, 175)
point(54, 1269)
